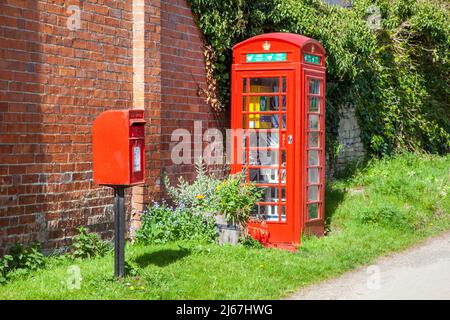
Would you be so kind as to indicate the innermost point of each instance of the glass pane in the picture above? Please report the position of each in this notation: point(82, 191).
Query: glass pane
point(314, 86)
point(284, 84)
point(314, 104)
point(283, 175)
point(283, 103)
point(313, 193)
point(244, 85)
point(263, 103)
point(266, 212)
point(254, 121)
point(263, 157)
point(283, 157)
point(313, 140)
point(264, 138)
point(283, 194)
point(313, 122)
point(264, 175)
point(270, 194)
point(264, 85)
point(258, 121)
point(267, 175)
point(244, 103)
point(284, 121)
point(283, 213)
point(313, 175)
point(313, 211)
point(313, 157)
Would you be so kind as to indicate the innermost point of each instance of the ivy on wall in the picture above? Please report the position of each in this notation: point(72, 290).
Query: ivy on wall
point(390, 58)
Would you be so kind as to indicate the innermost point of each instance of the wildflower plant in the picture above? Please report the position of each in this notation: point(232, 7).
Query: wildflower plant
point(162, 223)
point(197, 195)
point(235, 198)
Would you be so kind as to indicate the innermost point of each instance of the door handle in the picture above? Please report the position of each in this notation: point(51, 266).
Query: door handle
point(290, 139)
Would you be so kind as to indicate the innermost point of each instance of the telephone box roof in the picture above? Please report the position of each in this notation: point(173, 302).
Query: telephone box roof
point(291, 38)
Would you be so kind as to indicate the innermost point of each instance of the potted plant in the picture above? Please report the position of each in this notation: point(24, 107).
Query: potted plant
point(234, 200)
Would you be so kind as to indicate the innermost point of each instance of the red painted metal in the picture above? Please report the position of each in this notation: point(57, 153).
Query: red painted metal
point(119, 148)
point(300, 59)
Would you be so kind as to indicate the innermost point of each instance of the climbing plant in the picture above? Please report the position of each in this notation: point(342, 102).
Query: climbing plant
point(389, 58)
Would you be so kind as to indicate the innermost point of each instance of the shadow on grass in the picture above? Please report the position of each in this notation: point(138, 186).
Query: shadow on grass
point(333, 197)
point(162, 258)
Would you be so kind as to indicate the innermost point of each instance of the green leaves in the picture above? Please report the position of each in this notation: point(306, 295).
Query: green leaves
point(21, 261)
point(398, 77)
point(161, 224)
point(88, 245)
point(196, 195)
point(235, 199)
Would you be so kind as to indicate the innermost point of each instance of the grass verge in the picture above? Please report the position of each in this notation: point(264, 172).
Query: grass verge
point(388, 206)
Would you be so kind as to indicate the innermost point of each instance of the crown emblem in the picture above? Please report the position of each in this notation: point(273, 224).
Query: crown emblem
point(266, 46)
point(312, 49)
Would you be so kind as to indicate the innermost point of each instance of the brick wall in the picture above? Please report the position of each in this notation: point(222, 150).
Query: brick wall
point(54, 82)
point(183, 71)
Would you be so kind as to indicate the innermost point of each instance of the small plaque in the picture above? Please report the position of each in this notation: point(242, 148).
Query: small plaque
point(136, 159)
point(266, 57)
point(309, 58)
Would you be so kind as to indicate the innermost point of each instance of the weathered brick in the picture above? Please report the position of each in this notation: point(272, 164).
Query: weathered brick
point(54, 82)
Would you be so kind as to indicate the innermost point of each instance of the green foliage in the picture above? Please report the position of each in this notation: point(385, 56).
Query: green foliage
point(20, 261)
point(131, 269)
point(88, 245)
point(382, 214)
point(235, 199)
point(161, 224)
point(209, 271)
point(249, 242)
point(397, 76)
point(408, 191)
point(197, 195)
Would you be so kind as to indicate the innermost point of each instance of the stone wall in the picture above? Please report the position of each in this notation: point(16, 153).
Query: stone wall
point(352, 148)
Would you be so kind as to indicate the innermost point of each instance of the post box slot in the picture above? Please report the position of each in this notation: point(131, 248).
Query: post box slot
point(137, 130)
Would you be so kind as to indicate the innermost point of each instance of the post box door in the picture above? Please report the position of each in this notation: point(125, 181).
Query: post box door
point(264, 108)
point(137, 157)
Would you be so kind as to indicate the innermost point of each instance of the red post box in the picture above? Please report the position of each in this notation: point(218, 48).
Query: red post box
point(119, 148)
point(118, 143)
point(278, 98)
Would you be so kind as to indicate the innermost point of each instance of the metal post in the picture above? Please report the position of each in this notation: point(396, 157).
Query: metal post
point(119, 237)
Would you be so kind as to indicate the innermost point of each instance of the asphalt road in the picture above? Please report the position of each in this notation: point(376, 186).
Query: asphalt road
point(421, 272)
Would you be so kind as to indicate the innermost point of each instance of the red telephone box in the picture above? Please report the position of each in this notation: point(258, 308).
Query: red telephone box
point(278, 99)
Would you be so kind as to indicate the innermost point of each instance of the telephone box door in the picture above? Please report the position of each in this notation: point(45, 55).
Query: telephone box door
point(264, 109)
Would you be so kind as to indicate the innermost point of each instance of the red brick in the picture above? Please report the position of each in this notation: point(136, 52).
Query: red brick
point(54, 82)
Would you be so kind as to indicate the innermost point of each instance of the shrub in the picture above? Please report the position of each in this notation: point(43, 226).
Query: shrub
point(88, 245)
point(235, 199)
point(21, 260)
point(197, 195)
point(161, 224)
